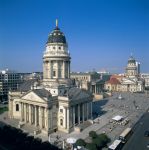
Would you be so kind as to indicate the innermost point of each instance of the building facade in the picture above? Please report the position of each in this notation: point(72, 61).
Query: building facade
point(130, 82)
point(145, 76)
point(84, 80)
point(9, 80)
point(55, 103)
point(91, 81)
point(113, 84)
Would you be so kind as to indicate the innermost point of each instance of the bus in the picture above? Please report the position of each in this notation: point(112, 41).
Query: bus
point(116, 145)
point(125, 135)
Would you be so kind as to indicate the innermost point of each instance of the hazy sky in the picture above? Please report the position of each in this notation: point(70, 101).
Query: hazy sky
point(101, 34)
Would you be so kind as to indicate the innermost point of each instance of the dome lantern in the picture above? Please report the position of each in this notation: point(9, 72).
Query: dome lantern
point(56, 36)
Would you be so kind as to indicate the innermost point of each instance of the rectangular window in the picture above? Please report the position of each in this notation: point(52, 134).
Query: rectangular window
point(61, 110)
point(54, 73)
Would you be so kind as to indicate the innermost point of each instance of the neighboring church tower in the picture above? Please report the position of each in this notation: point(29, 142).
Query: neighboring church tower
point(132, 69)
point(56, 59)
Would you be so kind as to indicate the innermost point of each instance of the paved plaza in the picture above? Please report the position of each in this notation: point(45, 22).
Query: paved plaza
point(132, 106)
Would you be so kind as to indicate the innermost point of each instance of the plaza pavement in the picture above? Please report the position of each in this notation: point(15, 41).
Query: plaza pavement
point(132, 106)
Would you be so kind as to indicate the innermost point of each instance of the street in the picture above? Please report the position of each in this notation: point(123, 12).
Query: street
point(137, 141)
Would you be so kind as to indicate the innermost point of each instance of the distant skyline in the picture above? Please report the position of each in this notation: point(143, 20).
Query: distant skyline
point(101, 34)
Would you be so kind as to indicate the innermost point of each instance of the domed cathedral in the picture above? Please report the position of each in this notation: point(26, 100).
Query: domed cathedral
point(54, 103)
point(132, 81)
point(133, 68)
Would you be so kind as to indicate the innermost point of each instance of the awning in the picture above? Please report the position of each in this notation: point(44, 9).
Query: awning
point(117, 118)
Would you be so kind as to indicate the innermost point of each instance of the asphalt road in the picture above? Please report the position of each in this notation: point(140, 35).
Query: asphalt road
point(137, 141)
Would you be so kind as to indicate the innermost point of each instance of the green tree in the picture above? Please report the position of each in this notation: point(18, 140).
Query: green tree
point(92, 134)
point(98, 142)
point(104, 138)
point(80, 142)
point(91, 146)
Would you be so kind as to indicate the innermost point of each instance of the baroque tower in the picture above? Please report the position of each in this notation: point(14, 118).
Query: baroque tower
point(56, 60)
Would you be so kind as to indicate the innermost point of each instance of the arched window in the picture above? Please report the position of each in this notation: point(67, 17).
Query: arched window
point(17, 107)
point(61, 122)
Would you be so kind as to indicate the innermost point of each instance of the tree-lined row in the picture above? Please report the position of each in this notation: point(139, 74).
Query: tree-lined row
point(16, 139)
point(98, 141)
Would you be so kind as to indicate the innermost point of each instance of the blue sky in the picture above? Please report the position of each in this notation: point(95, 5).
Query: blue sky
point(101, 34)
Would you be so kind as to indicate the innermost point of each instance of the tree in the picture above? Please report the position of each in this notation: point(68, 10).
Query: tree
point(105, 139)
point(98, 142)
point(92, 134)
point(101, 140)
point(80, 142)
point(16, 139)
point(91, 146)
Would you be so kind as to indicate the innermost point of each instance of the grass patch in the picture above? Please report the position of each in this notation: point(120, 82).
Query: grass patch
point(3, 109)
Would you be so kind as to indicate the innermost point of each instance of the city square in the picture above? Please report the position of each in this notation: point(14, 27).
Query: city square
point(131, 106)
point(74, 75)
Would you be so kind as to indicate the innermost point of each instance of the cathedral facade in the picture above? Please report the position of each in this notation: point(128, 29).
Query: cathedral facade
point(54, 103)
point(130, 81)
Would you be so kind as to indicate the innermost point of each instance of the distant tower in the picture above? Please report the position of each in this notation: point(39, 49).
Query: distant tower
point(138, 67)
point(56, 59)
point(132, 69)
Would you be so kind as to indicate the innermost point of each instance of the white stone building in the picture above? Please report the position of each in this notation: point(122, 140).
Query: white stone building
point(132, 81)
point(54, 103)
point(145, 76)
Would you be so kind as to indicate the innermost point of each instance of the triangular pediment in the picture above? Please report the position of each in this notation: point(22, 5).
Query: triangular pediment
point(31, 96)
point(128, 81)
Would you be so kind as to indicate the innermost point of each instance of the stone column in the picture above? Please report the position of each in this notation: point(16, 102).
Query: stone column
point(21, 111)
point(70, 116)
point(63, 69)
point(40, 117)
point(50, 69)
point(45, 118)
point(87, 111)
point(24, 112)
point(65, 118)
point(35, 107)
point(51, 119)
point(30, 114)
point(78, 113)
point(68, 119)
point(48, 118)
point(57, 73)
point(91, 109)
point(73, 115)
point(68, 65)
point(44, 69)
point(83, 112)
